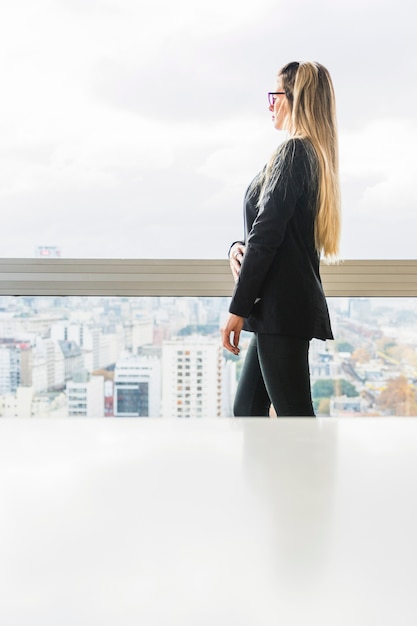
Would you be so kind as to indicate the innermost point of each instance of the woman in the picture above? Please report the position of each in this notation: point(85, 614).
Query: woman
point(292, 217)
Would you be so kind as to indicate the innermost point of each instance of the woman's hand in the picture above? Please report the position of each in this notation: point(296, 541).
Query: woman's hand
point(237, 252)
point(232, 327)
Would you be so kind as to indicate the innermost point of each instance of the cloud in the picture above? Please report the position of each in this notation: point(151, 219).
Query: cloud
point(381, 155)
point(120, 120)
point(378, 191)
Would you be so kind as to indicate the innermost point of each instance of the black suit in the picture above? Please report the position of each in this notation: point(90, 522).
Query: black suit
point(279, 291)
point(281, 264)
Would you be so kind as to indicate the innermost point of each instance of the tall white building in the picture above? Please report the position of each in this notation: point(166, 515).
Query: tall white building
point(138, 332)
point(73, 359)
point(49, 353)
point(99, 347)
point(192, 370)
point(15, 366)
point(137, 387)
point(86, 399)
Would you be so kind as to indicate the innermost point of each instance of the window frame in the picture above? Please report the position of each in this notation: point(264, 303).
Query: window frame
point(187, 277)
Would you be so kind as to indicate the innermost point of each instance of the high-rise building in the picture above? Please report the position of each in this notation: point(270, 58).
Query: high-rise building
point(73, 358)
point(86, 398)
point(138, 333)
point(137, 385)
point(15, 365)
point(99, 347)
point(48, 352)
point(192, 371)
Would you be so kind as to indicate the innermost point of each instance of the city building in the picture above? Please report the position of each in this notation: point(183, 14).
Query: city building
point(137, 387)
point(73, 359)
point(100, 347)
point(48, 252)
point(342, 406)
point(49, 353)
point(322, 362)
point(85, 398)
point(15, 365)
point(192, 371)
point(138, 333)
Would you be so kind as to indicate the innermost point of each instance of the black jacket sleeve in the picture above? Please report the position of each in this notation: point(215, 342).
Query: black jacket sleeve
point(232, 244)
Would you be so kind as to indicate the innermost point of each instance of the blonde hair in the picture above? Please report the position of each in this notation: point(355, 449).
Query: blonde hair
point(310, 94)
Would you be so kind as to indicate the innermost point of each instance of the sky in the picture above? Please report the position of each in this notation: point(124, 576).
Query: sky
point(131, 128)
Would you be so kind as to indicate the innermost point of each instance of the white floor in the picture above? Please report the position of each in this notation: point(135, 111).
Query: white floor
point(208, 522)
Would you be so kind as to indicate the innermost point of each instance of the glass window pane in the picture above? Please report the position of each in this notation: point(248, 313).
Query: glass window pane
point(121, 357)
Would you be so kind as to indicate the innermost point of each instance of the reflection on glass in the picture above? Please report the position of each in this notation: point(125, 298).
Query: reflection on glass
point(152, 357)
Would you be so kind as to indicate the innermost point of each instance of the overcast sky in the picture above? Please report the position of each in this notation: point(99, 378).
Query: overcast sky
point(131, 128)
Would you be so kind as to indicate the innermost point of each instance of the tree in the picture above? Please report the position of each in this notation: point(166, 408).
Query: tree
point(398, 398)
point(344, 346)
point(328, 387)
point(385, 344)
point(361, 355)
point(343, 387)
point(323, 388)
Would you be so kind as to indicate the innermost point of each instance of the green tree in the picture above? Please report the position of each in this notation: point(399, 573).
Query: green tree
point(343, 387)
point(328, 387)
point(344, 346)
point(323, 388)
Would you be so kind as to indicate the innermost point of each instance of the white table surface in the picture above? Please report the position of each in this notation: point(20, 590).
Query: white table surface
point(235, 522)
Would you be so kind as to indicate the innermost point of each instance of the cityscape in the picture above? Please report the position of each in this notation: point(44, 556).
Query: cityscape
point(63, 357)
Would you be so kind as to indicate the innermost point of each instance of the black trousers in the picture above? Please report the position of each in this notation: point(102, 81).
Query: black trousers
point(275, 372)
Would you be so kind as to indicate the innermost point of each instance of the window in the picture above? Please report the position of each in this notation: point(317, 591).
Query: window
point(370, 369)
point(96, 167)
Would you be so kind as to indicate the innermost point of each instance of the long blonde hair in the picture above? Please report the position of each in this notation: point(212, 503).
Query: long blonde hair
point(310, 94)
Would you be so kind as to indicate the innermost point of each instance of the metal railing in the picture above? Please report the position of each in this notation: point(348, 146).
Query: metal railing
point(188, 277)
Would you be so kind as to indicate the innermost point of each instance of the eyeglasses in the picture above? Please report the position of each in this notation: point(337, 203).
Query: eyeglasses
point(272, 96)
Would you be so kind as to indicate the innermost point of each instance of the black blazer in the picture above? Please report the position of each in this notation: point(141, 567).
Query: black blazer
point(279, 289)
